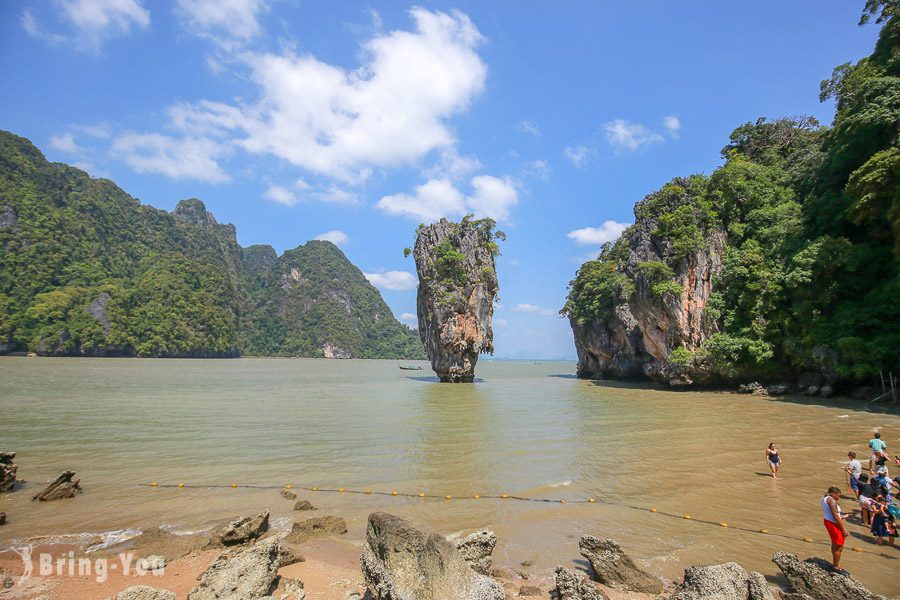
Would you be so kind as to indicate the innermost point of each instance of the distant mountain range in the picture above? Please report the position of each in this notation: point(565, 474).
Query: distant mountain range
point(87, 270)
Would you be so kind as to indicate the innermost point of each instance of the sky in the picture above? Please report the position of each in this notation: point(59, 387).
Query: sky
point(355, 122)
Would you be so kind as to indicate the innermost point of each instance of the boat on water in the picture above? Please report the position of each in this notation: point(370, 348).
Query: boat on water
point(410, 367)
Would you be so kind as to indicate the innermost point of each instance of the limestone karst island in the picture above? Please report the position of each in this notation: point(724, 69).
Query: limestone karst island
point(463, 301)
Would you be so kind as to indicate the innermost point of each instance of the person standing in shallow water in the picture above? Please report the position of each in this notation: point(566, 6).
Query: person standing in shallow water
point(773, 459)
point(834, 523)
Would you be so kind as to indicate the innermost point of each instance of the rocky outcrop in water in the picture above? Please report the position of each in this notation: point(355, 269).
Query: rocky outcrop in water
point(728, 581)
point(612, 567)
point(316, 527)
point(655, 295)
point(476, 549)
point(242, 530)
point(457, 288)
point(399, 562)
point(240, 575)
point(814, 579)
point(64, 486)
point(7, 471)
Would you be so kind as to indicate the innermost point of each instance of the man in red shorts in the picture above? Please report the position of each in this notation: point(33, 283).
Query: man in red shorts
point(834, 523)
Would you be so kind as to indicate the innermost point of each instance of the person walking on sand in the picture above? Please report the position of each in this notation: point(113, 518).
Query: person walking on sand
point(773, 459)
point(878, 454)
point(834, 523)
point(854, 469)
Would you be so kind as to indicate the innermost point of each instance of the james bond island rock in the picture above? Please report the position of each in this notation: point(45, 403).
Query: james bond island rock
point(7, 471)
point(457, 288)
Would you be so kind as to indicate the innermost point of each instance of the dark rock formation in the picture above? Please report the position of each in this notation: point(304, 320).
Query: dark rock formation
point(316, 527)
point(144, 592)
point(530, 590)
point(457, 288)
point(755, 388)
point(304, 505)
point(476, 549)
point(241, 531)
point(399, 562)
point(728, 581)
point(572, 586)
point(7, 471)
point(815, 579)
point(612, 567)
point(64, 486)
point(288, 495)
point(240, 575)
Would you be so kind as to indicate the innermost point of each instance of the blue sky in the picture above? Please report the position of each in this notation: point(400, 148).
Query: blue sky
point(355, 122)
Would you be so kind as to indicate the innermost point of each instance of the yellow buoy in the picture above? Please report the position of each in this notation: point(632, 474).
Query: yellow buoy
point(341, 490)
point(504, 495)
point(592, 500)
point(234, 485)
point(723, 524)
point(315, 488)
point(562, 501)
point(857, 549)
point(808, 540)
point(289, 485)
point(688, 517)
point(476, 496)
point(764, 531)
point(394, 493)
point(448, 497)
point(421, 494)
point(181, 485)
point(652, 510)
point(368, 491)
point(154, 484)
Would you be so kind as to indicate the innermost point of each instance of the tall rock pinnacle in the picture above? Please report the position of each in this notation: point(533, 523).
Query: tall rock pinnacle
point(457, 287)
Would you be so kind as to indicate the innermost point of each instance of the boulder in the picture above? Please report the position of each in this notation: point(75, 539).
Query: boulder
point(755, 388)
point(815, 578)
point(293, 587)
point(826, 391)
point(722, 582)
point(241, 574)
point(614, 568)
point(64, 486)
point(241, 531)
point(7, 471)
point(530, 590)
point(155, 562)
point(476, 549)
point(316, 527)
point(144, 592)
point(778, 389)
point(399, 562)
point(572, 586)
point(812, 390)
point(304, 505)
point(288, 495)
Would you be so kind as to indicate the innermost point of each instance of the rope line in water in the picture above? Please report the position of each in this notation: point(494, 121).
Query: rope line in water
point(398, 494)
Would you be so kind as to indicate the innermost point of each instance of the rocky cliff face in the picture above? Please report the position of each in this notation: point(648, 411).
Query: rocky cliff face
point(656, 289)
point(457, 287)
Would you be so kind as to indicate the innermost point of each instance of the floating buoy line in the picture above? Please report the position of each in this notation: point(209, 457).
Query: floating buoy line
point(445, 497)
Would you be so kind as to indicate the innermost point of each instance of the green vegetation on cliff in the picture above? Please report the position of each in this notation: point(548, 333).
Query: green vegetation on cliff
point(810, 216)
point(85, 269)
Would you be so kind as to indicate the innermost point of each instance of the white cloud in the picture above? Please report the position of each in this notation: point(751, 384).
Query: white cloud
point(492, 197)
point(628, 137)
point(596, 236)
point(391, 110)
point(184, 158)
point(235, 18)
point(432, 200)
point(500, 322)
point(335, 236)
point(333, 193)
point(93, 21)
point(539, 169)
point(577, 155)
point(452, 165)
point(392, 280)
point(531, 308)
point(65, 142)
point(529, 127)
point(672, 125)
point(409, 317)
point(281, 195)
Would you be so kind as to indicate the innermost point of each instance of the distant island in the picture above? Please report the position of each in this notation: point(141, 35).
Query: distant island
point(780, 266)
point(87, 270)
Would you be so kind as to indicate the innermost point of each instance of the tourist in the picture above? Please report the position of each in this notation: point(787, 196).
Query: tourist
point(882, 524)
point(883, 482)
point(772, 459)
point(878, 454)
point(834, 523)
point(854, 469)
point(866, 493)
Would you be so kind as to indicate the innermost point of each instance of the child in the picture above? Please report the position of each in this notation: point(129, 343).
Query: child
point(882, 527)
